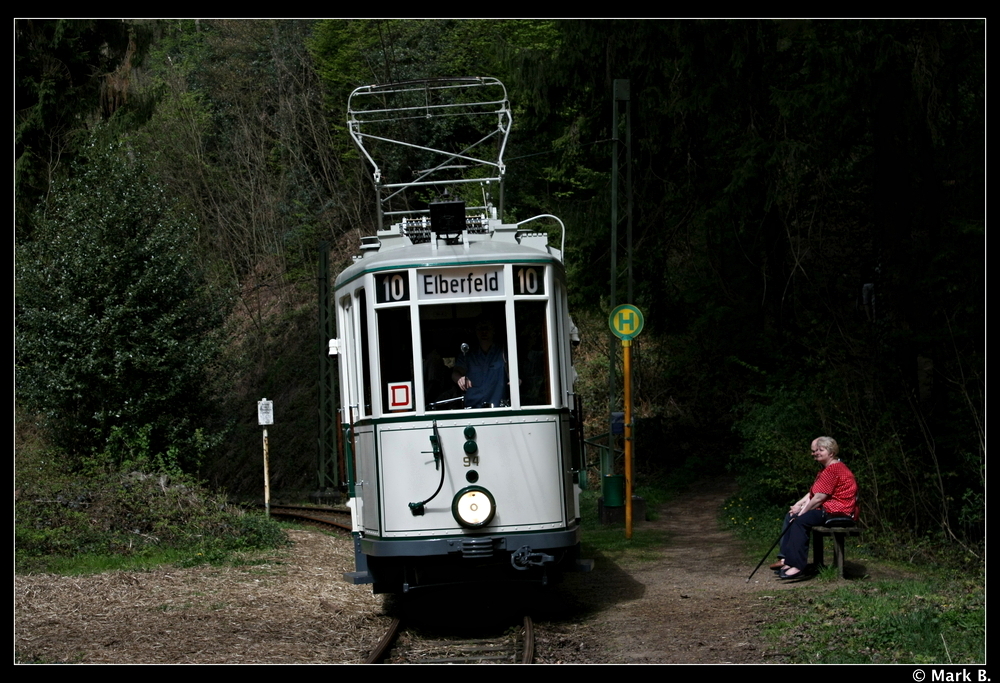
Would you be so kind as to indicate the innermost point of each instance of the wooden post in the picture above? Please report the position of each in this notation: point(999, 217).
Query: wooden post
point(267, 483)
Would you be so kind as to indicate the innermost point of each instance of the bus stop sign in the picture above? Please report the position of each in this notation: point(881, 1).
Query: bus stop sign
point(626, 322)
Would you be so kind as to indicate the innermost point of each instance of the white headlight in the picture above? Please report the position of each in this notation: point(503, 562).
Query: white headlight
point(473, 507)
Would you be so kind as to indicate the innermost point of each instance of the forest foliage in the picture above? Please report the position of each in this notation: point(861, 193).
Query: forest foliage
point(808, 209)
point(115, 329)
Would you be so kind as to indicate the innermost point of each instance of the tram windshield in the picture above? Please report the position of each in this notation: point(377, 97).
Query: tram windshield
point(467, 354)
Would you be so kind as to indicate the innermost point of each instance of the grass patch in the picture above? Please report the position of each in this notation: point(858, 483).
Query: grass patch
point(95, 563)
point(610, 542)
point(755, 524)
point(150, 558)
point(928, 621)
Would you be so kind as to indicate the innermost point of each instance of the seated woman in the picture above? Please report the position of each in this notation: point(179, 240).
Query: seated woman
point(834, 494)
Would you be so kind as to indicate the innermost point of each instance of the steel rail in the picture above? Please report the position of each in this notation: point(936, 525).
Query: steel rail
point(458, 651)
point(324, 516)
point(528, 655)
point(381, 650)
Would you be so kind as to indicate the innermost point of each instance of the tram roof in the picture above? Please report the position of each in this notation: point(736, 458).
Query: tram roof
point(479, 252)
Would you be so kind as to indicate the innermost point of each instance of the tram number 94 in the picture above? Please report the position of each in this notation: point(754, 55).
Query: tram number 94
point(529, 280)
point(393, 287)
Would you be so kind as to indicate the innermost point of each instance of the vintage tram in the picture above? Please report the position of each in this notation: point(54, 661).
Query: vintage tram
point(461, 427)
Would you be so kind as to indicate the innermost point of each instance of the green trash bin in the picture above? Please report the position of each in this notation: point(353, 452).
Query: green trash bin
point(614, 490)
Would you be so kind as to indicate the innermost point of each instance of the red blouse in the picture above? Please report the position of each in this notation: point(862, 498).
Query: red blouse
point(837, 482)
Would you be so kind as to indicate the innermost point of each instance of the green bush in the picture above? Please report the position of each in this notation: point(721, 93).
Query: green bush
point(777, 426)
point(114, 326)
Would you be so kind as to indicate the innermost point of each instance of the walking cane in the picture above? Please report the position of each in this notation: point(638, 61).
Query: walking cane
point(780, 536)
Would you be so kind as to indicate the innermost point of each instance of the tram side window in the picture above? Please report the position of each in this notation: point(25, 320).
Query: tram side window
point(395, 359)
point(532, 352)
point(474, 377)
point(347, 328)
point(366, 368)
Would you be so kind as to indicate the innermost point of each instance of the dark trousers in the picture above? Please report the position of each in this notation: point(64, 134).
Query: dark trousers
point(795, 542)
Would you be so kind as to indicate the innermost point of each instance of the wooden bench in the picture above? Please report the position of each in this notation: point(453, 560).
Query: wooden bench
point(839, 534)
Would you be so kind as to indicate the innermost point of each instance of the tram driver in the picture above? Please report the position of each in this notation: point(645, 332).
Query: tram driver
point(482, 373)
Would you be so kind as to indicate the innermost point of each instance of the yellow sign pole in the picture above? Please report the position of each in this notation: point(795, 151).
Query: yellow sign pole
point(627, 347)
point(626, 322)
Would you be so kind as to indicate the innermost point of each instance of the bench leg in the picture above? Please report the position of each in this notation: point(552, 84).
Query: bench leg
point(839, 541)
point(818, 560)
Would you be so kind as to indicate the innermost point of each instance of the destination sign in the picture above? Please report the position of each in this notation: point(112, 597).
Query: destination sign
point(460, 283)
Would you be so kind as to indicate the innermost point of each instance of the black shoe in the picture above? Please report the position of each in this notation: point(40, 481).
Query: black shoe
point(800, 575)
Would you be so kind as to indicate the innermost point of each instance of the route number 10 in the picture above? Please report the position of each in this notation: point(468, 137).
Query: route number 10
point(393, 287)
point(529, 280)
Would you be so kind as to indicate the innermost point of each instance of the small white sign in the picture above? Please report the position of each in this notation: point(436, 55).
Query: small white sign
point(401, 396)
point(265, 412)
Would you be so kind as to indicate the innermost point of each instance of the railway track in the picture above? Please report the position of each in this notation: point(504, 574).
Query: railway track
point(495, 643)
point(323, 516)
point(516, 645)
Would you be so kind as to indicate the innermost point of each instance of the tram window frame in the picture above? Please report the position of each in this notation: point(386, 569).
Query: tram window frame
point(534, 284)
point(535, 384)
point(395, 327)
point(348, 327)
point(365, 350)
point(442, 335)
point(563, 352)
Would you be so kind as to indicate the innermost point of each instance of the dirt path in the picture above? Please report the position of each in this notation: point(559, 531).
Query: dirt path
point(691, 606)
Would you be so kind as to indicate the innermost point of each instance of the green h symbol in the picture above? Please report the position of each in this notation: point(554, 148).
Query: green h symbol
point(626, 318)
